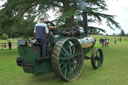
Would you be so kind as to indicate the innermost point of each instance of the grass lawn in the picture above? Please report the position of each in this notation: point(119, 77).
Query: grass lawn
point(113, 72)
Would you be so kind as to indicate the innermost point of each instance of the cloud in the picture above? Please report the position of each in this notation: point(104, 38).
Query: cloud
point(120, 9)
point(2, 2)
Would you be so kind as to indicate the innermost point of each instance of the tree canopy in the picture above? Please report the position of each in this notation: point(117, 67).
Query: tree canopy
point(122, 33)
point(18, 16)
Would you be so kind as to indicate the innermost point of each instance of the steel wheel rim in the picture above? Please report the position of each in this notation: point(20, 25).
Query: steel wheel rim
point(97, 58)
point(70, 59)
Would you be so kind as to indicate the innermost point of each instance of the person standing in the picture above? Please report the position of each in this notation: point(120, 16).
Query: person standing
point(120, 39)
point(41, 32)
point(103, 42)
point(9, 45)
point(106, 43)
point(100, 40)
point(115, 40)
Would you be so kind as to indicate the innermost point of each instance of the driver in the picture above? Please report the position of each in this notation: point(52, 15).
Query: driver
point(41, 31)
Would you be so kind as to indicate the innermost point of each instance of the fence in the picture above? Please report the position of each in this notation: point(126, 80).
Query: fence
point(5, 45)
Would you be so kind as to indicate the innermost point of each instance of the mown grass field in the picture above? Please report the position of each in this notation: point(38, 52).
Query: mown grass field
point(113, 72)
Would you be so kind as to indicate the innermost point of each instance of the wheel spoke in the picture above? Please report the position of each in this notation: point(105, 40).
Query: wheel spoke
point(65, 50)
point(72, 71)
point(66, 58)
point(75, 44)
point(70, 50)
point(96, 58)
point(63, 54)
point(74, 68)
point(70, 45)
point(77, 54)
point(64, 66)
point(97, 61)
point(62, 63)
point(63, 58)
point(65, 71)
point(73, 51)
point(74, 64)
point(97, 53)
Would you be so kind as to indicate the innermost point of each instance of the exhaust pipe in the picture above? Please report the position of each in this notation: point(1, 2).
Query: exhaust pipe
point(85, 23)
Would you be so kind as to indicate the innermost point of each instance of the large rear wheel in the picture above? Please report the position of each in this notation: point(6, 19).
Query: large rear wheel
point(67, 59)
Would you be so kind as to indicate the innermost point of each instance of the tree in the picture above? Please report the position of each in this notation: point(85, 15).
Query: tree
point(18, 12)
point(122, 33)
point(95, 30)
point(4, 36)
point(126, 34)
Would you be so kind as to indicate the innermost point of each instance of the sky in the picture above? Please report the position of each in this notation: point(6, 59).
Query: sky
point(115, 7)
point(120, 9)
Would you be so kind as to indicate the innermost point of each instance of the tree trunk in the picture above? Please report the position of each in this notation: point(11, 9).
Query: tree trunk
point(69, 22)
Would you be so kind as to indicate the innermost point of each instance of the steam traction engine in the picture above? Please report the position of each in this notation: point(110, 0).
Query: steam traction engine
point(66, 50)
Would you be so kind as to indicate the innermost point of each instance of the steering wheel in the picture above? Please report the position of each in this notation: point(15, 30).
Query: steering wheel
point(49, 23)
point(54, 30)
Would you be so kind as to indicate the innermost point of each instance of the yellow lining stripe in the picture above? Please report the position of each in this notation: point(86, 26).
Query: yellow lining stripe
point(86, 45)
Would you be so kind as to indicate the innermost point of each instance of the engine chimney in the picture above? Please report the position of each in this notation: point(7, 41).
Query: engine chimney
point(85, 23)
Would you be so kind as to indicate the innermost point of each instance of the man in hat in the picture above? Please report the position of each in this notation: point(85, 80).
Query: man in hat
point(41, 31)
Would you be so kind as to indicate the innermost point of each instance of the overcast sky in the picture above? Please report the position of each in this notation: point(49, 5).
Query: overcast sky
point(118, 8)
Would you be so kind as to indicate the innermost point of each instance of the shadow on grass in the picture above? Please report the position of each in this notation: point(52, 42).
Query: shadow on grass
point(47, 78)
point(51, 78)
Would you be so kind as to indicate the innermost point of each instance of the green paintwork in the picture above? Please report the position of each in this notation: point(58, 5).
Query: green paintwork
point(66, 56)
point(29, 54)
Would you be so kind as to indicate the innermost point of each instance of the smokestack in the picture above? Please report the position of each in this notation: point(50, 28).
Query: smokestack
point(81, 4)
point(85, 22)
